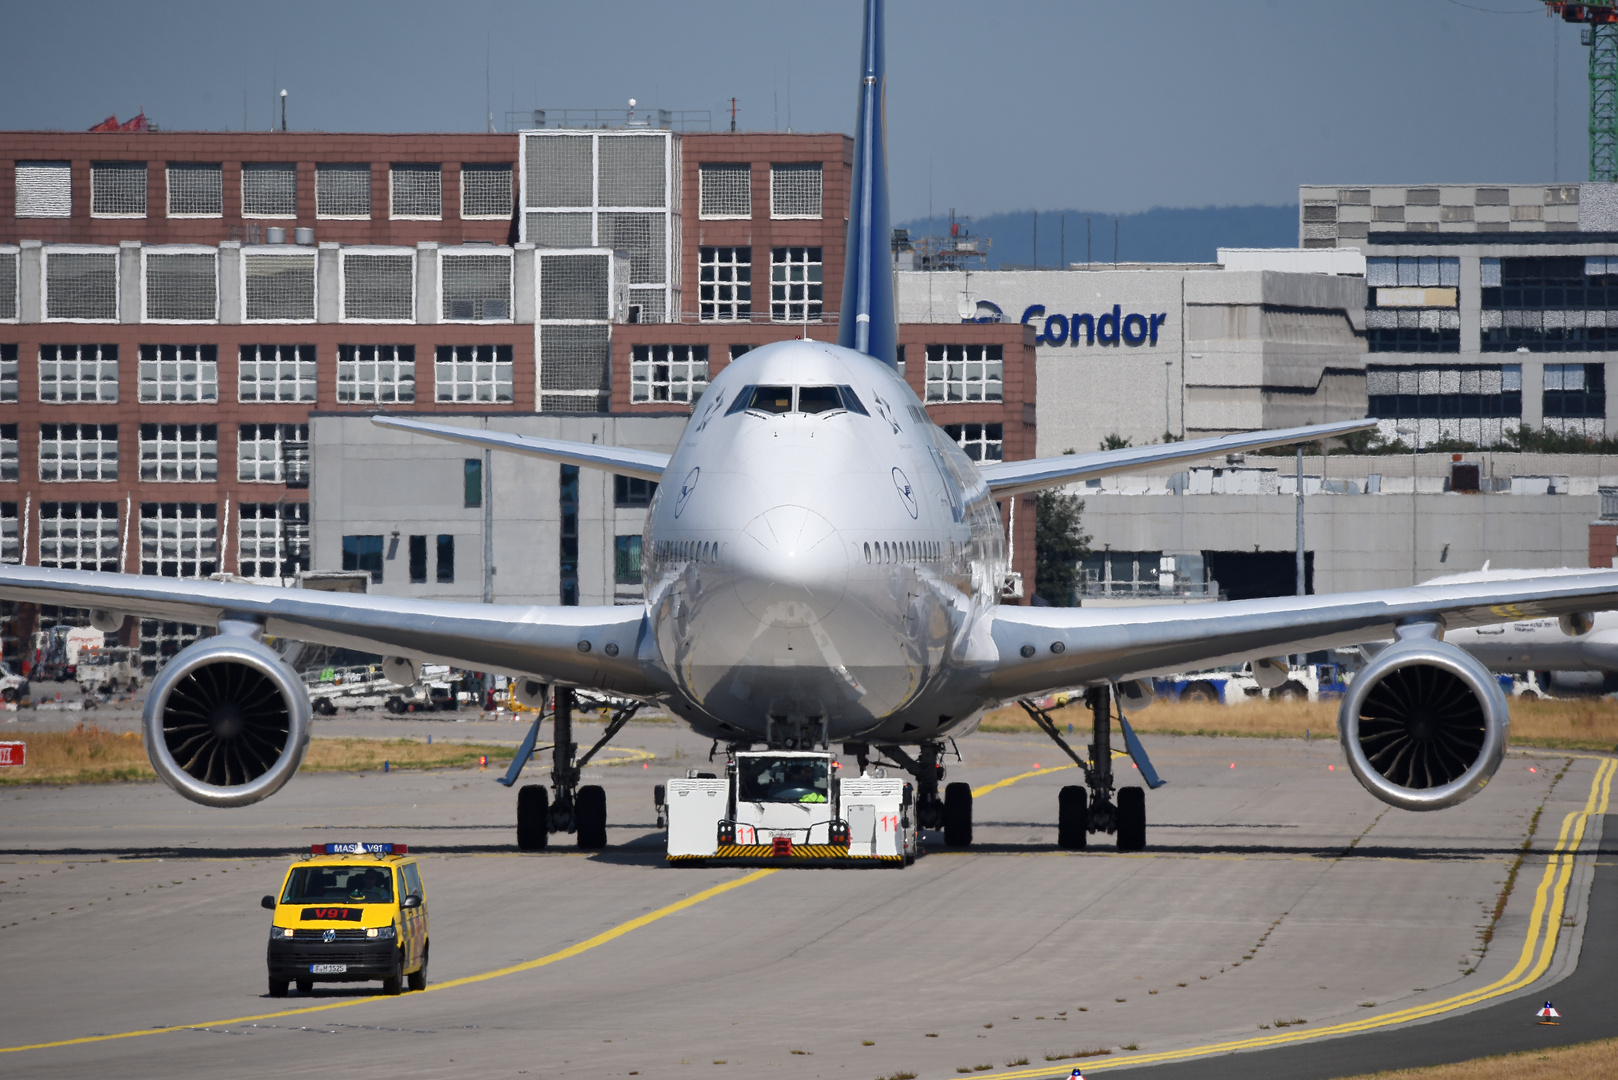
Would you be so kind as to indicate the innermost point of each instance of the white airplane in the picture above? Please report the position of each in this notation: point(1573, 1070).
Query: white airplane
point(824, 566)
point(1574, 654)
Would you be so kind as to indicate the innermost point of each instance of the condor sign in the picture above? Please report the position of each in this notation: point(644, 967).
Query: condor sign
point(1108, 328)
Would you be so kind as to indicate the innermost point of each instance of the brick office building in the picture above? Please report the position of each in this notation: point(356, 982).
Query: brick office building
point(174, 306)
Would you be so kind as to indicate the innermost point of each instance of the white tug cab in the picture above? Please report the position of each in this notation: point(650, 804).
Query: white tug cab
point(783, 806)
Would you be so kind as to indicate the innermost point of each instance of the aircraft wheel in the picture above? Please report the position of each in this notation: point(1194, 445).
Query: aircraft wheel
point(533, 817)
point(591, 814)
point(1072, 818)
point(1131, 819)
point(958, 815)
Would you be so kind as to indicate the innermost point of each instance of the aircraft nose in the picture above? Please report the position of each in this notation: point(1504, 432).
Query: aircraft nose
point(791, 567)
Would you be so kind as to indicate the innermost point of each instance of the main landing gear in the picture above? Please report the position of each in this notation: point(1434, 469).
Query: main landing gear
point(1081, 811)
point(575, 809)
point(953, 812)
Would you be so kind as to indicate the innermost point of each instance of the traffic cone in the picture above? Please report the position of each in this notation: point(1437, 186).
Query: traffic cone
point(1548, 1015)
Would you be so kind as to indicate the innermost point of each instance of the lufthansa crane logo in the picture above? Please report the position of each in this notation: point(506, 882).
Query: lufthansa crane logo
point(906, 492)
point(687, 486)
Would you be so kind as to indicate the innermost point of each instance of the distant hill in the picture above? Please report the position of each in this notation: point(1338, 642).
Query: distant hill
point(1162, 234)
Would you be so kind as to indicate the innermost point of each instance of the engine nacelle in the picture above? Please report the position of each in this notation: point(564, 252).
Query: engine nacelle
point(1424, 725)
point(226, 721)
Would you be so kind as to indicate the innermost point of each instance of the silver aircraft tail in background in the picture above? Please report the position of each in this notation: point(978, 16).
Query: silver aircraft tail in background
point(824, 566)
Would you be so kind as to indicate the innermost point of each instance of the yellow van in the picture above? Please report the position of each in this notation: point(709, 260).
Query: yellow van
point(349, 913)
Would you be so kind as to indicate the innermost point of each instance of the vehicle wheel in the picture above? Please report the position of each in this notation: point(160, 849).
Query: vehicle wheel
point(418, 978)
point(1131, 819)
point(8, 694)
point(1200, 691)
point(278, 988)
point(533, 817)
point(396, 705)
point(958, 815)
point(393, 985)
point(325, 708)
point(590, 812)
point(1292, 690)
point(306, 986)
point(1072, 818)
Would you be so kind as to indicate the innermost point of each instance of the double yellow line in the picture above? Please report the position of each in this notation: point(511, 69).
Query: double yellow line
point(1537, 951)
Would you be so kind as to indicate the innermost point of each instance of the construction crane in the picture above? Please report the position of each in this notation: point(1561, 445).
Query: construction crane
point(1601, 35)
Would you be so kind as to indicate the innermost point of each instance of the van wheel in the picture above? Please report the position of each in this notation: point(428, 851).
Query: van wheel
point(8, 694)
point(1292, 690)
point(533, 817)
point(393, 984)
point(396, 705)
point(306, 986)
point(418, 978)
point(1200, 691)
point(325, 708)
point(278, 988)
point(1131, 819)
point(958, 815)
point(591, 815)
point(1072, 818)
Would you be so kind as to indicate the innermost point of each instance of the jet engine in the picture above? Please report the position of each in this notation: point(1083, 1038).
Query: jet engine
point(1424, 725)
point(226, 721)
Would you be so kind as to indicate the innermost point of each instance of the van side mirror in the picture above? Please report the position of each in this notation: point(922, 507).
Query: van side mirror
point(268, 903)
point(411, 901)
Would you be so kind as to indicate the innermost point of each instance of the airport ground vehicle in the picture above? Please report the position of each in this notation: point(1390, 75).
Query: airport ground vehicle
point(784, 805)
point(13, 687)
point(349, 913)
point(108, 670)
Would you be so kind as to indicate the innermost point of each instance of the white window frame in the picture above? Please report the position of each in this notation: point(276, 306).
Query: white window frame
point(96, 540)
point(370, 175)
point(281, 527)
point(278, 476)
point(393, 167)
point(342, 280)
point(347, 390)
point(14, 253)
point(484, 166)
point(116, 380)
point(51, 250)
point(789, 318)
point(965, 382)
point(147, 252)
point(445, 254)
point(983, 442)
point(248, 166)
point(195, 534)
point(10, 454)
point(733, 284)
point(143, 384)
point(145, 202)
point(313, 382)
point(79, 441)
point(798, 166)
point(494, 384)
point(643, 385)
point(53, 167)
point(280, 252)
point(189, 454)
point(168, 187)
point(737, 166)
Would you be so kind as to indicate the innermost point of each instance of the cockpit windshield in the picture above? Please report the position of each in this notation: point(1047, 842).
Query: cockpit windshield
point(771, 399)
point(783, 780)
point(818, 399)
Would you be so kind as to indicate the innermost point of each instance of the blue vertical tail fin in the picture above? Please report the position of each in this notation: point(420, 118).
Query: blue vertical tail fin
point(867, 322)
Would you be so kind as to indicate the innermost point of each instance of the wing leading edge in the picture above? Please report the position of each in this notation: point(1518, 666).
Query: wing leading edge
point(641, 464)
point(1075, 646)
point(568, 644)
point(1016, 477)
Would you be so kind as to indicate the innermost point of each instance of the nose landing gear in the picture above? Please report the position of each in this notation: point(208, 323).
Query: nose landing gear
point(953, 812)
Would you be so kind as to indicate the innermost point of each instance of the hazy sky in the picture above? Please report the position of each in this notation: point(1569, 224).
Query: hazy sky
point(993, 107)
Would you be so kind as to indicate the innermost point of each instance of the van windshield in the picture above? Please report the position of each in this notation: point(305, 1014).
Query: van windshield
point(339, 884)
point(783, 779)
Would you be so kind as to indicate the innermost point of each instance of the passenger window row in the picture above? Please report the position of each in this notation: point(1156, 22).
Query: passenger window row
point(805, 399)
point(702, 551)
point(904, 551)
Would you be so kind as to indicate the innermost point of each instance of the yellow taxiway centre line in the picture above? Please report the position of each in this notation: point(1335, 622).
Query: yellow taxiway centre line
point(561, 954)
point(1539, 946)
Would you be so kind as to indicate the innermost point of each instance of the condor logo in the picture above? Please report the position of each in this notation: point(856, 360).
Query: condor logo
point(332, 914)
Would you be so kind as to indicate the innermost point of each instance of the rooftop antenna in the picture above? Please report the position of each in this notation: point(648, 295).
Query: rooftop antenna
point(283, 110)
point(488, 101)
point(733, 116)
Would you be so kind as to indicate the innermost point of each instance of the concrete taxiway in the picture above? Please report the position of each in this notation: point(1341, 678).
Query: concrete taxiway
point(1277, 900)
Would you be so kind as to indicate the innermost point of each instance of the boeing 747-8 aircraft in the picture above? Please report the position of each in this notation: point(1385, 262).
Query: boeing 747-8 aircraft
point(824, 566)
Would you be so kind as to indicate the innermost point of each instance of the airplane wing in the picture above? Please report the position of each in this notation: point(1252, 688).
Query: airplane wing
point(641, 464)
point(1045, 648)
point(596, 647)
point(1015, 477)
